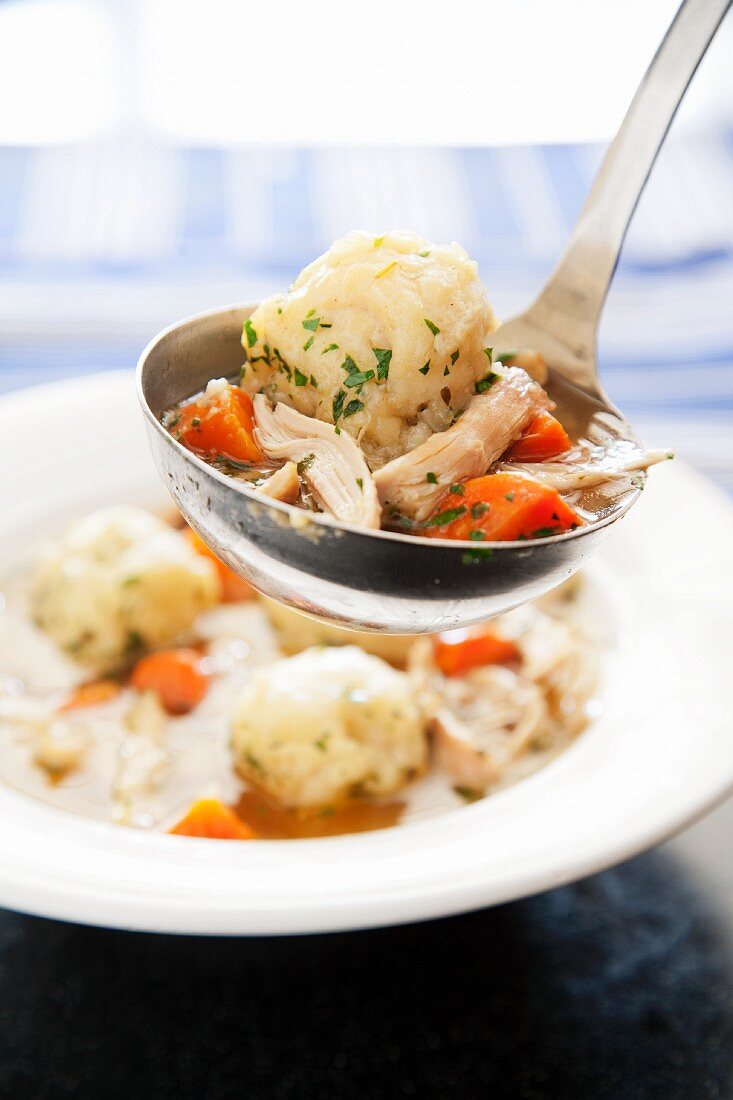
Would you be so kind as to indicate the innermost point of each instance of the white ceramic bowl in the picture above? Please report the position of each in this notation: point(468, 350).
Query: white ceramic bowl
point(659, 756)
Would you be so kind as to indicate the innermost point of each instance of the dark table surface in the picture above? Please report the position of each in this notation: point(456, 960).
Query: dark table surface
point(618, 986)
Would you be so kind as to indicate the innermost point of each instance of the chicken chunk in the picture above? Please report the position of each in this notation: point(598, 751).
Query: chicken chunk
point(316, 729)
point(117, 581)
point(331, 463)
point(283, 485)
point(384, 336)
point(414, 484)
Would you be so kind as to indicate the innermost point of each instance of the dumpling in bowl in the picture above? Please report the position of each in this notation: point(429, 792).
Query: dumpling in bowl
point(118, 581)
point(383, 336)
point(316, 729)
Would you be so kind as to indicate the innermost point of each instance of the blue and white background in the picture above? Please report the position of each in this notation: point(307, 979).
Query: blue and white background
point(159, 158)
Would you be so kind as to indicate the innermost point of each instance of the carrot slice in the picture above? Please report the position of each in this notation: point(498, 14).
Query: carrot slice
point(208, 817)
point(233, 587)
point(454, 656)
point(544, 438)
point(502, 507)
point(176, 676)
point(91, 695)
point(220, 425)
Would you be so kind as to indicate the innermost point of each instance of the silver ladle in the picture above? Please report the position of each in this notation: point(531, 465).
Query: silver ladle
point(386, 581)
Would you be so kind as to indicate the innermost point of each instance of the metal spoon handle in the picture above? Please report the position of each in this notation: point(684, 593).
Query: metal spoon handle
point(570, 305)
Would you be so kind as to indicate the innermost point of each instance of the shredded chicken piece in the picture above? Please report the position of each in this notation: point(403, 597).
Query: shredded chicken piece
point(143, 761)
point(332, 464)
point(283, 485)
point(490, 424)
point(568, 475)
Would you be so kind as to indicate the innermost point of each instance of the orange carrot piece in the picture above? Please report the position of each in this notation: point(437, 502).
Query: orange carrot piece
point(500, 508)
point(176, 676)
point(208, 817)
point(454, 656)
point(91, 695)
point(233, 587)
point(223, 425)
point(544, 438)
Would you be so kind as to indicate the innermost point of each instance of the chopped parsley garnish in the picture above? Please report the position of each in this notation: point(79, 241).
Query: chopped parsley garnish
point(446, 372)
point(489, 353)
point(310, 313)
point(331, 347)
point(338, 404)
point(324, 325)
point(424, 254)
point(477, 536)
point(468, 794)
point(306, 463)
point(300, 379)
point(349, 365)
point(308, 343)
point(279, 310)
point(311, 323)
point(454, 357)
point(378, 241)
point(353, 407)
point(509, 497)
point(360, 483)
point(322, 743)
point(545, 532)
point(386, 270)
point(426, 368)
point(504, 355)
point(446, 517)
point(195, 423)
point(458, 489)
point(433, 328)
point(431, 478)
point(250, 333)
point(358, 378)
point(383, 357)
point(479, 509)
point(486, 382)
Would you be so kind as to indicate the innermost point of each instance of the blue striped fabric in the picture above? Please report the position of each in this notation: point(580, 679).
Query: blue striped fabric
point(101, 245)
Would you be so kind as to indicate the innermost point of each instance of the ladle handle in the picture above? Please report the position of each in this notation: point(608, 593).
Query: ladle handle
point(570, 304)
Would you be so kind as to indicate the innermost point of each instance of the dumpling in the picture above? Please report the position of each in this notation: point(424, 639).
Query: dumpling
point(315, 729)
point(383, 336)
point(118, 581)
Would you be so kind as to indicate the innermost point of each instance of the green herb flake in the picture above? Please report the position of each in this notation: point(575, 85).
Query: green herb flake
point(477, 536)
point(504, 356)
point(310, 313)
point(338, 404)
point(196, 423)
point(469, 794)
point(433, 328)
point(128, 581)
point(446, 372)
point(431, 478)
point(424, 254)
point(311, 323)
point(455, 357)
point(353, 407)
point(545, 532)
point(378, 241)
point(331, 347)
point(486, 382)
point(250, 333)
point(308, 343)
point(300, 379)
point(349, 365)
point(479, 509)
point(383, 357)
point(446, 517)
point(458, 489)
point(358, 378)
point(426, 368)
point(386, 270)
point(305, 463)
point(360, 483)
point(314, 384)
point(279, 309)
point(509, 497)
point(489, 353)
point(322, 743)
